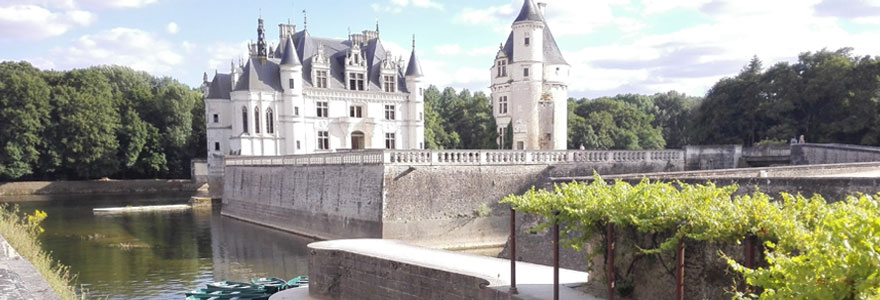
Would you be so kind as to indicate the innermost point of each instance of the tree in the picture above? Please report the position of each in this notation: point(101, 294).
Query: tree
point(24, 116)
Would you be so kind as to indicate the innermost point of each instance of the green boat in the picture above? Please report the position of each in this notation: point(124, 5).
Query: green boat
point(271, 284)
point(203, 294)
point(233, 285)
point(298, 281)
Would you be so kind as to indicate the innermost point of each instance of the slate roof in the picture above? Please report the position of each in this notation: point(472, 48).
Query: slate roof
point(529, 12)
point(220, 87)
point(414, 68)
point(266, 77)
point(258, 76)
point(552, 54)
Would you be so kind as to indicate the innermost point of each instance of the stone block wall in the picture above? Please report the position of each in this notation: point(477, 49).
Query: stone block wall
point(811, 154)
point(710, 157)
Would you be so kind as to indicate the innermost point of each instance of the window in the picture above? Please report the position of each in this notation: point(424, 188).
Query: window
point(420, 116)
point(323, 140)
point(296, 110)
point(356, 111)
point(356, 81)
point(244, 120)
point(389, 141)
point(256, 120)
point(216, 146)
point(321, 79)
point(270, 121)
point(525, 72)
point(290, 83)
point(502, 68)
point(216, 118)
point(421, 145)
point(297, 145)
point(527, 41)
point(322, 109)
point(390, 84)
point(389, 112)
point(520, 146)
point(421, 92)
point(502, 105)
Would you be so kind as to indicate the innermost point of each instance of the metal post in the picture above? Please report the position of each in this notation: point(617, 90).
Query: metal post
point(610, 263)
point(556, 255)
point(679, 276)
point(750, 257)
point(513, 252)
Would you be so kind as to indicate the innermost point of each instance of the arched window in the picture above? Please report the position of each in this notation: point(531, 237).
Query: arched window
point(270, 121)
point(256, 120)
point(244, 121)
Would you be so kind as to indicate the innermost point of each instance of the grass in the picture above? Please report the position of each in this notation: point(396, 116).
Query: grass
point(22, 232)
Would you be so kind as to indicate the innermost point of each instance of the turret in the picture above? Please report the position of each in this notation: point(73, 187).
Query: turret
point(291, 69)
point(414, 76)
point(528, 34)
point(415, 107)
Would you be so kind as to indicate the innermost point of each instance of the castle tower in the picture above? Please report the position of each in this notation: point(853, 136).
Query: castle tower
point(529, 88)
point(415, 84)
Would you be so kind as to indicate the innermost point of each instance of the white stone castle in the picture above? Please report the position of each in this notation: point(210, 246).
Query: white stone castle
point(315, 95)
point(529, 84)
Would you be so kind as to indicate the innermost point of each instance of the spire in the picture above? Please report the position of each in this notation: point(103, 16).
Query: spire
point(414, 68)
point(289, 58)
point(305, 20)
point(529, 12)
point(261, 38)
point(205, 78)
point(377, 24)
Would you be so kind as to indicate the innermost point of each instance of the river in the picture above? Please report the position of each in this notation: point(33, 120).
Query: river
point(159, 255)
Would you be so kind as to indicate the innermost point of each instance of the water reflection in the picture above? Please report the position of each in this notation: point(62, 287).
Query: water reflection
point(160, 254)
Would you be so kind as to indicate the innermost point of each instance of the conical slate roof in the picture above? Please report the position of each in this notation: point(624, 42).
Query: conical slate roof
point(529, 12)
point(290, 58)
point(414, 68)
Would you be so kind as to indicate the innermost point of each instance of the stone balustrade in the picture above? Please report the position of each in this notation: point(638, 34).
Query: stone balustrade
point(459, 157)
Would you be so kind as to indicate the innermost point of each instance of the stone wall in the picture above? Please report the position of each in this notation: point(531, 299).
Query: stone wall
point(445, 199)
point(323, 202)
point(710, 157)
point(811, 154)
point(98, 187)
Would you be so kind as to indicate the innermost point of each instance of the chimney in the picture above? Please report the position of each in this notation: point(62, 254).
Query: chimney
point(541, 7)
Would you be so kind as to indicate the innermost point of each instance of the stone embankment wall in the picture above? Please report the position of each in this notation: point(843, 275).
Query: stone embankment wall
point(98, 187)
point(446, 199)
point(811, 154)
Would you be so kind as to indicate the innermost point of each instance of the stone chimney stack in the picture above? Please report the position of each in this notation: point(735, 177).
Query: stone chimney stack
point(542, 7)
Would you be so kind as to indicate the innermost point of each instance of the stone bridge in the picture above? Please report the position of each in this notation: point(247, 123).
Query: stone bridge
point(437, 198)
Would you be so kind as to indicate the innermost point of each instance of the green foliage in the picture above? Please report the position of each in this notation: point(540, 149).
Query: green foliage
point(106, 121)
point(614, 123)
point(815, 250)
point(828, 96)
point(459, 120)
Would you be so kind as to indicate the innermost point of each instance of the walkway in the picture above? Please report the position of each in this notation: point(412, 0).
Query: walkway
point(19, 280)
point(535, 282)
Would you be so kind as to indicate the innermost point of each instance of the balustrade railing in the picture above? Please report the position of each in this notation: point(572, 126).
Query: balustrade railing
point(460, 157)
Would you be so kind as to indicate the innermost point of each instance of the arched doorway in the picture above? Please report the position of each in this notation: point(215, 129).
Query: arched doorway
point(357, 140)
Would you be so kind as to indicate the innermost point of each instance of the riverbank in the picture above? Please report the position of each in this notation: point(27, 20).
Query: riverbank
point(19, 279)
point(100, 187)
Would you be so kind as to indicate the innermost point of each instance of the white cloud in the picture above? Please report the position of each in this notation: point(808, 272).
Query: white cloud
point(397, 6)
point(565, 17)
point(31, 22)
point(449, 49)
point(135, 48)
point(115, 3)
point(172, 28)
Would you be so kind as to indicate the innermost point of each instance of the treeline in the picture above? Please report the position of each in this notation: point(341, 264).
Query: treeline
point(827, 96)
point(459, 120)
point(96, 122)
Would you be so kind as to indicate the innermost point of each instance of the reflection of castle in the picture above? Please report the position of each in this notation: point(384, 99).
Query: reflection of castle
point(528, 84)
point(241, 251)
point(312, 95)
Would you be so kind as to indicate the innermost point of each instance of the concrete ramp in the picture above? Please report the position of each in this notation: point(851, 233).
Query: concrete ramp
point(388, 269)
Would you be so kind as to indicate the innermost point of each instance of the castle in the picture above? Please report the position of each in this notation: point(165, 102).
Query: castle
point(315, 95)
point(320, 95)
point(529, 87)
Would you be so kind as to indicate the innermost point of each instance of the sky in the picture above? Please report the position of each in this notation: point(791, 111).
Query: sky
point(614, 46)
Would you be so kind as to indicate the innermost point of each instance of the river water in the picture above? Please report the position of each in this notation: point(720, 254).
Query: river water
point(159, 255)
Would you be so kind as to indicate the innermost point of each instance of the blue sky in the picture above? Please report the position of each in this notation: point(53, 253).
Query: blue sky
point(614, 46)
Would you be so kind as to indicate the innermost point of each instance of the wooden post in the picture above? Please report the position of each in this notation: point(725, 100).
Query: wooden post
point(556, 256)
point(512, 251)
point(679, 276)
point(610, 263)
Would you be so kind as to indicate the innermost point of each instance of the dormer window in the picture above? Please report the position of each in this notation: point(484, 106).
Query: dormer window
point(356, 81)
point(502, 68)
point(321, 79)
point(389, 83)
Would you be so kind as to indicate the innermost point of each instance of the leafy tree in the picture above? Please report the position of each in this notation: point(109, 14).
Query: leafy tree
point(24, 116)
point(608, 123)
